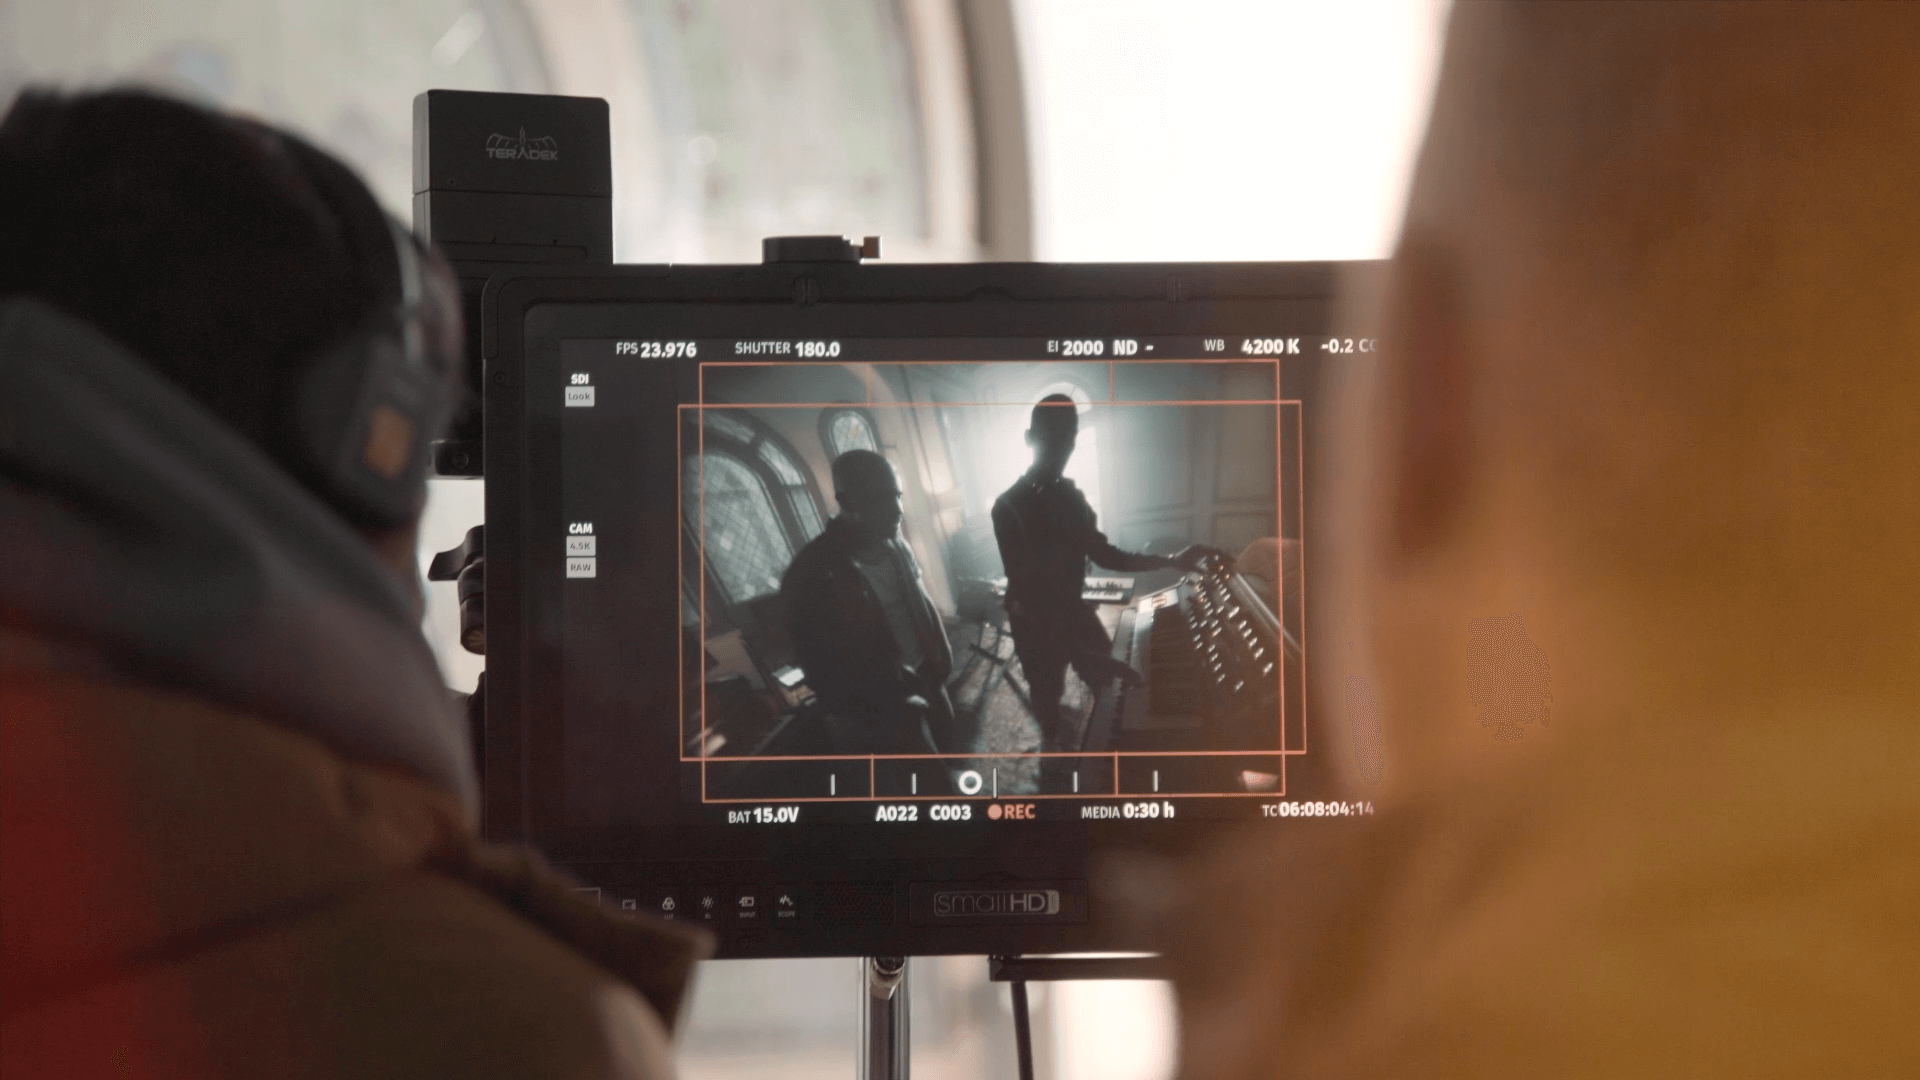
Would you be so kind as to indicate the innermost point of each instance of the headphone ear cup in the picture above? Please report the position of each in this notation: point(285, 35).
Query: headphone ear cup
point(361, 417)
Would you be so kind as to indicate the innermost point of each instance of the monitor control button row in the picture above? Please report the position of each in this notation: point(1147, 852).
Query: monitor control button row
point(734, 905)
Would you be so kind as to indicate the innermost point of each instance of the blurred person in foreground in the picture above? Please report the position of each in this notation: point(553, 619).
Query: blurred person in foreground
point(237, 808)
point(1653, 387)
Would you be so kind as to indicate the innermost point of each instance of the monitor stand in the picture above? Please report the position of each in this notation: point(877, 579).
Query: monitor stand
point(885, 1041)
point(884, 1038)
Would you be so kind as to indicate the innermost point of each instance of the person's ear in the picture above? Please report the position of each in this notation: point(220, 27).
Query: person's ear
point(1429, 429)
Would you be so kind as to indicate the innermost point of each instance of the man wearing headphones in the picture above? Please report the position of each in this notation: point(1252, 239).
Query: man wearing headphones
point(237, 809)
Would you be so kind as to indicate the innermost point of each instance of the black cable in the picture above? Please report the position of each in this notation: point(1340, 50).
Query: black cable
point(1022, 1030)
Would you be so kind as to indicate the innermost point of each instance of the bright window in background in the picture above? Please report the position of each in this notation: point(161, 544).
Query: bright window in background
point(799, 116)
point(1224, 129)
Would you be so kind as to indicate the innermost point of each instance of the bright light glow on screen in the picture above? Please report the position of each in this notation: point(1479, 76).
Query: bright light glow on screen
point(1012, 456)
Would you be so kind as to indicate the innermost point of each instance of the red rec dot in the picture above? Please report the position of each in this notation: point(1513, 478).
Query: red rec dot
point(993, 811)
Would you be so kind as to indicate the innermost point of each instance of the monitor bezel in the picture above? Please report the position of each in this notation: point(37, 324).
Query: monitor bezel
point(524, 313)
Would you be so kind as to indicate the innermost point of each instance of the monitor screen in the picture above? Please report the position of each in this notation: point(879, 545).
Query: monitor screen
point(865, 628)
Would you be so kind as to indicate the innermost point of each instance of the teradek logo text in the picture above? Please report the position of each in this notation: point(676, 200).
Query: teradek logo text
point(507, 147)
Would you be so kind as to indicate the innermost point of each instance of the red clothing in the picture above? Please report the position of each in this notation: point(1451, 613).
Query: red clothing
point(192, 892)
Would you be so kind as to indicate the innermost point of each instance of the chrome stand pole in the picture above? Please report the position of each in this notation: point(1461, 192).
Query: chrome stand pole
point(884, 1040)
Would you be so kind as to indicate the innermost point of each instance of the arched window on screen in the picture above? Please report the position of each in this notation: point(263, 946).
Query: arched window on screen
point(842, 430)
point(747, 503)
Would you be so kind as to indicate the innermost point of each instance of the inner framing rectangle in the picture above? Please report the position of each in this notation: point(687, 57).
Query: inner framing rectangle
point(871, 399)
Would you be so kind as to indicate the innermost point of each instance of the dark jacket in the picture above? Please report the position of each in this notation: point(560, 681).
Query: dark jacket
point(840, 633)
point(1047, 532)
point(236, 808)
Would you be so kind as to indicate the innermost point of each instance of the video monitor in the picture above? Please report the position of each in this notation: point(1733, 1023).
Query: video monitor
point(862, 609)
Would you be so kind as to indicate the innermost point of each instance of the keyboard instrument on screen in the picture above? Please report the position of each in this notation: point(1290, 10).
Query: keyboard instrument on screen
point(1213, 656)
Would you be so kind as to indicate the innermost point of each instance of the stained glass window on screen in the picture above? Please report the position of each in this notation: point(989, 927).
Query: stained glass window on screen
point(747, 548)
point(806, 516)
point(848, 430)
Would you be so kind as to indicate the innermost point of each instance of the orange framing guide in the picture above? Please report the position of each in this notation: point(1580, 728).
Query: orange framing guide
point(1279, 405)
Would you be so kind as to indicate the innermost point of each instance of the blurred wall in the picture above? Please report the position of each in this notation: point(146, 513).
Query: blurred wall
point(732, 119)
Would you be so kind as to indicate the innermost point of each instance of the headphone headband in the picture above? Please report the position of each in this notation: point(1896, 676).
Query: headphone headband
point(412, 292)
point(368, 409)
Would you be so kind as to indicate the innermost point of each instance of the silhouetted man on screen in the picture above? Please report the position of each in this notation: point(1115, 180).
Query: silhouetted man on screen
point(862, 625)
point(1047, 533)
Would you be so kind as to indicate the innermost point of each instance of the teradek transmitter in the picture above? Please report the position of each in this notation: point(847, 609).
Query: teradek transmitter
point(856, 609)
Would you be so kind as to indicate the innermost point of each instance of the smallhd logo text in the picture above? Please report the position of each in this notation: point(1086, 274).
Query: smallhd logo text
point(510, 148)
point(962, 903)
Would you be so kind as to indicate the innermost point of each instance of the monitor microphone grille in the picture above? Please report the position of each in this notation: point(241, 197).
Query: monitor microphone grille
point(858, 903)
